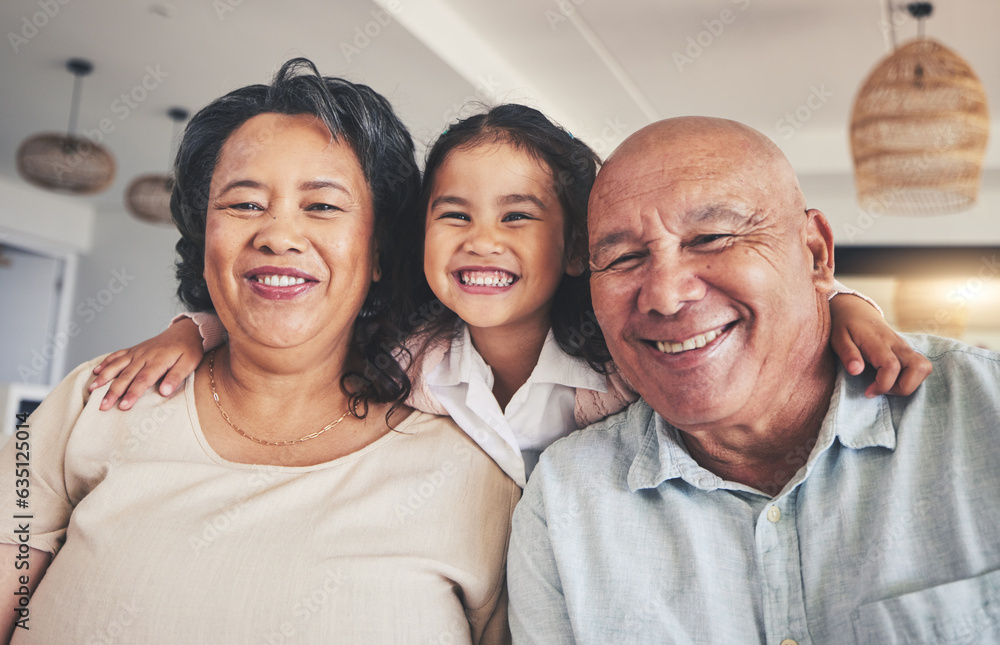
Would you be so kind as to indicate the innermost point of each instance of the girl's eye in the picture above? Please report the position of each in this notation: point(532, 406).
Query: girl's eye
point(516, 217)
point(454, 215)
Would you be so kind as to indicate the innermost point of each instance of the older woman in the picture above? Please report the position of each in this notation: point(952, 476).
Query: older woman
point(283, 494)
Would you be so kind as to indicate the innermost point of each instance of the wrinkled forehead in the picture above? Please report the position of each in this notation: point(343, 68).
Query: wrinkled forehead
point(685, 176)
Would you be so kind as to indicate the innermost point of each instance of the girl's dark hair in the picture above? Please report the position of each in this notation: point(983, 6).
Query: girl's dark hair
point(573, 166)
point(385, 151)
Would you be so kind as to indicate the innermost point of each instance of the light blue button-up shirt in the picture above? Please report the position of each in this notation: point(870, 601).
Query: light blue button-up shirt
point(889, 532)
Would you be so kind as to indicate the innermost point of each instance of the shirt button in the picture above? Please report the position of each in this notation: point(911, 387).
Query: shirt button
point(773, 515)
point(788, 641)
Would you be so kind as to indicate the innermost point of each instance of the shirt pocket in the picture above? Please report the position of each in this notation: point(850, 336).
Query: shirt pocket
point(964, 611)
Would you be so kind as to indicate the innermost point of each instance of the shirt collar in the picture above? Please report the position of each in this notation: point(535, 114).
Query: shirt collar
point(463, 364)
point(855, 421)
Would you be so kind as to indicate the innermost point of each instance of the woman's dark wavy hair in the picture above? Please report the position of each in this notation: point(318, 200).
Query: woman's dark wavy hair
point(574, 167)
point(385, 150)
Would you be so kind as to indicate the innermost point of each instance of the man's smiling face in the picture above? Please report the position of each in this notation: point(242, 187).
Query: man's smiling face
point(704, 276)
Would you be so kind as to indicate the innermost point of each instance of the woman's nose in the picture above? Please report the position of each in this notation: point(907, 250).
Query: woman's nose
point(280, 230)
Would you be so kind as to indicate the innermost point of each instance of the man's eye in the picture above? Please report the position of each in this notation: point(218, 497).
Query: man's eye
point(715, 239)
point(622, 262)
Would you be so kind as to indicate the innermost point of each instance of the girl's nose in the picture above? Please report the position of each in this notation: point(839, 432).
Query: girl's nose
point(484, 240)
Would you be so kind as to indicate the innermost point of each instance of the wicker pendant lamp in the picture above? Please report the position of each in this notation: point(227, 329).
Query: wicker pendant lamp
point(148, 196)
point(67, 163)
point(919, 130)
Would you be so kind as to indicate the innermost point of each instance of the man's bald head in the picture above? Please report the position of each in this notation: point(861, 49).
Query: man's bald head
point(719, 147)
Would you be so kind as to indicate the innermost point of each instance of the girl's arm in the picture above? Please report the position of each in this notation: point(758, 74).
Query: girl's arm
point(172, 356)
point(859, 334)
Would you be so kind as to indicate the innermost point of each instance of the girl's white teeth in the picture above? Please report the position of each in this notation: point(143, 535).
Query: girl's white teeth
point(486, 278)
point(691, 343)
point(279, 280)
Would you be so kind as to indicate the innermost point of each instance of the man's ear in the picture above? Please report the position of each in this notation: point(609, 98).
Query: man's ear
point(819, 240)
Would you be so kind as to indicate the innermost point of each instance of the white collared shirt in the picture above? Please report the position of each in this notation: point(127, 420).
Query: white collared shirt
point(541, 411)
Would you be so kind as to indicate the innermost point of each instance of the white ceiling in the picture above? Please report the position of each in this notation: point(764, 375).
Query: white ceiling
point(603, 68)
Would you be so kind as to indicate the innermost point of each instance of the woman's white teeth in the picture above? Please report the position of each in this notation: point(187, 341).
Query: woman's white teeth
point(279, 280)
point(691, 343)
point(487, 278)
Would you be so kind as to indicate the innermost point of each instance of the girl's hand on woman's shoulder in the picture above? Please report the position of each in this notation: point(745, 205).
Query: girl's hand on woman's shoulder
point(170, 356)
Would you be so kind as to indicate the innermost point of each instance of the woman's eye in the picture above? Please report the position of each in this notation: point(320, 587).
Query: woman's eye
point(245, 206)
point(323, 207)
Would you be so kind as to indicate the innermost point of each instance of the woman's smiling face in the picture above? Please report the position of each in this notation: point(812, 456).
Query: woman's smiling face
point(289, 245)
point(494, 245)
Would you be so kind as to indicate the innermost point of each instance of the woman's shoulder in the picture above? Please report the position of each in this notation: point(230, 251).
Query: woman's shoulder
point(441, 437)
point(73, 391)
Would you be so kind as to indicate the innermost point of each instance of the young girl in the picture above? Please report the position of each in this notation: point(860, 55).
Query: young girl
point(504, 338)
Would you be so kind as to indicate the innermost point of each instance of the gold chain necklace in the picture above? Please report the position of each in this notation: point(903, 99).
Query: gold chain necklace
point(215, 395)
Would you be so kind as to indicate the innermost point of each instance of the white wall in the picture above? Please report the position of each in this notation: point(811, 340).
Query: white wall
point(28, 213)
point(125, 286)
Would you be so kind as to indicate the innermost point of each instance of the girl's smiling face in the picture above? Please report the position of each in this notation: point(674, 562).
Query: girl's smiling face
point(495, 238)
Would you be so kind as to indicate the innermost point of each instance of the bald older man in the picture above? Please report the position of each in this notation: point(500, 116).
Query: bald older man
point(754, 494)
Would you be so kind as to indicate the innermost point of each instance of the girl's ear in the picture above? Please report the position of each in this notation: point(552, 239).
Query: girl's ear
point(575, 266)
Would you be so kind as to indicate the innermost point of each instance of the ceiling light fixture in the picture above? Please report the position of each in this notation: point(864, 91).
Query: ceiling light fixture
point(67, 163)
point(148, 196)
point(919, 128)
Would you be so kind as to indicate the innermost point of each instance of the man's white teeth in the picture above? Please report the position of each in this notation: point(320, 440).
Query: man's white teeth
point(487, 278)
point(279, 280)
point(691, 343)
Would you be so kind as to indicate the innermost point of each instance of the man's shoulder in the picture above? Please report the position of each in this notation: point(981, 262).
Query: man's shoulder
point(617, 438)
point(953, 359)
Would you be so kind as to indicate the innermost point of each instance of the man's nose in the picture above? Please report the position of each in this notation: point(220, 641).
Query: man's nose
point(668, 285)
